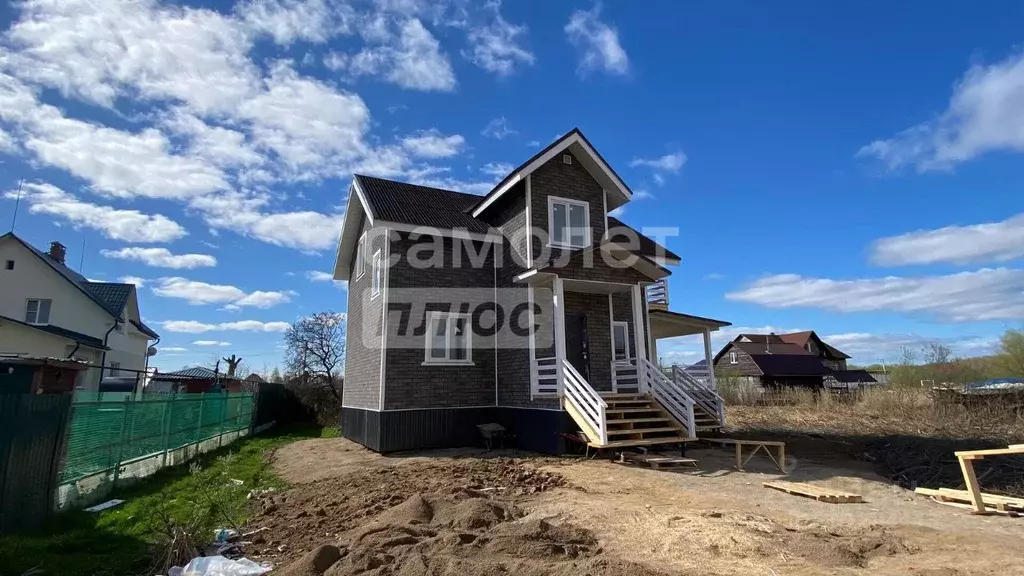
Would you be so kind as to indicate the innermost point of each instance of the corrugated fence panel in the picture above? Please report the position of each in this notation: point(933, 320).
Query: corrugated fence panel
point(30, 443)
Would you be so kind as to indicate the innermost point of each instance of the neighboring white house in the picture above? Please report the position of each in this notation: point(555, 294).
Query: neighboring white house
point(47, 309)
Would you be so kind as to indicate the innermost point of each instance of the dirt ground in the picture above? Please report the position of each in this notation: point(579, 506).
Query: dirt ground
point(467, 513)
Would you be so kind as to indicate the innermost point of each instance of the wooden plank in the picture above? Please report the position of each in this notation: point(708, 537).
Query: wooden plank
point(583, 424)
point(639, 420)
point(967, 467)
point(727, 441)
point(1011, 513)
point(655, 461)
point(818, 493)
point(645, 442)
point(645, 430)
point(630, 410)
point(965, 496)
point(978, 454)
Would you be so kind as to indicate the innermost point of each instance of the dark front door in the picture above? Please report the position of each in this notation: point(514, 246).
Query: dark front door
point(577, 347)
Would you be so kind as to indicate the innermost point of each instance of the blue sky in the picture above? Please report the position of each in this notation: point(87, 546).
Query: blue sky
point(853, 169)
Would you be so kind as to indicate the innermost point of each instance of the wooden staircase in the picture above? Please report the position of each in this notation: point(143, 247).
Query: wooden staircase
point(706, 421)
point(638, 420)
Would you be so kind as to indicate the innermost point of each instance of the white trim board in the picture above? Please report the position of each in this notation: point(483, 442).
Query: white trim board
point(575, 138)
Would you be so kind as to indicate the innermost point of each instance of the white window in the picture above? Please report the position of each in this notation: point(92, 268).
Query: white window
point(569, 222)
point(732, 358)
point(620, 340)
point(377, 275)
point(449, 339)
point(37, 312)
point(115, 368)
point(361, 256)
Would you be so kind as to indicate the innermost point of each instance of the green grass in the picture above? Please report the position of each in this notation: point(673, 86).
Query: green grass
point(125, 540)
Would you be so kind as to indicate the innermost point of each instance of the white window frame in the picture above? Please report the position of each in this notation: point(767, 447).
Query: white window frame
point(625, 326)
point(361, 256)
point(39, 306)
point(377, 281)
point(732, 358)
point(449, 317)
point(587, 239)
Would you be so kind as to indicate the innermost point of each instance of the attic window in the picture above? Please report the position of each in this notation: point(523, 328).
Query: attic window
point(10, 265)
point(732, 358)
point(567, 159)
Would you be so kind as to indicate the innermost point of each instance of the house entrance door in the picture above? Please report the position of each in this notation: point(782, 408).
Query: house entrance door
point(577, 346)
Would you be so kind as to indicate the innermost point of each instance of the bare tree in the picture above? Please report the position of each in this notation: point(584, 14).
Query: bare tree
point(315, 350)
point(232, 363)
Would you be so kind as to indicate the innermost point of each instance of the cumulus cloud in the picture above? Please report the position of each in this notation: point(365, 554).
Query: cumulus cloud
point(139, 282)
point(410, 57)
point(667, 163)
point(496, 47)
point(195, 292)
point(195, 327)
point(985, 113)
point(975, 296)
point(597, 42)
point(113, 223)
point(498, 129)
point(988, 242)
point(289, 20)
point(432, 144)
point(497, 169)
point(161, 257)
point(211, 343)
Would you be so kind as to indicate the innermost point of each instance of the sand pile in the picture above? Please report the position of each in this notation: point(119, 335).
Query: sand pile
point(462, 534)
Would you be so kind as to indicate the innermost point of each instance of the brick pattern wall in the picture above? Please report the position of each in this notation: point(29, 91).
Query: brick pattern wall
point(590, 265)
point(564, 181)
point(363, 335)
point(599, 335)
point(410, 383)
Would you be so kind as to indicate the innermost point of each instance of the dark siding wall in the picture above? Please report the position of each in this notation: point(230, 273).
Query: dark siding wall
point(564, 181)
point(595, 306)
point(744, 366)
point(363, 337)
point(591, 265)
point(410, 383)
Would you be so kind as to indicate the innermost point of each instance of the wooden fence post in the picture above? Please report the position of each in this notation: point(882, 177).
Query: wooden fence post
point(120, 445)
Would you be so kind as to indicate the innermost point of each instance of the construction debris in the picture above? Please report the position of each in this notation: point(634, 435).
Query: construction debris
point(997, 503)
point(656, 460)
point(817, 492)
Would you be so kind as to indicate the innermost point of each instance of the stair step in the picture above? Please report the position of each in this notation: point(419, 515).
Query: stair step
point(631, 410)
point(621, 396)
point(641, 401)
point(645, 430)
point(644, 442)
point(639, 420)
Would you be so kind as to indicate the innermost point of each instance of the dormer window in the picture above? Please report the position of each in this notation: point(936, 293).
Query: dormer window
point(568, 222)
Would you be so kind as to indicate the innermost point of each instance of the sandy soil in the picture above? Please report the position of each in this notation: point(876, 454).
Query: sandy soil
point(467, 512)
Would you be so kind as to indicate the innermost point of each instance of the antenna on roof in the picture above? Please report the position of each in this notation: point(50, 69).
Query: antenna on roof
point(81, 259)
point(17, 202)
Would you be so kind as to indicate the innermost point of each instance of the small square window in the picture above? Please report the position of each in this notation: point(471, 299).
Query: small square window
point(37, 312)
point(9, 265)
point(449, 339)
point(568, 222)
point(732, 358)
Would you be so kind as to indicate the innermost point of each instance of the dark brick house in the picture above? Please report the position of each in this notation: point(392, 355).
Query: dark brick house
point(798, 359)
point(524, 307)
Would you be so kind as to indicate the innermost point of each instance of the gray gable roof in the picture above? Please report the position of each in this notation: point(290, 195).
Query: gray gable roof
point(420, 205)
point(110, 296)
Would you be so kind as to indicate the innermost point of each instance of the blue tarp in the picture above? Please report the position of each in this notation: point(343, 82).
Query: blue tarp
point(995, 385)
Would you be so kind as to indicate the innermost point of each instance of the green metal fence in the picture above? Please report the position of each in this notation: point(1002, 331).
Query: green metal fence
point(103, 436)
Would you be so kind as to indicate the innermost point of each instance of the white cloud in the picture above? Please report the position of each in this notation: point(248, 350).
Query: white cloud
point(412, 59)
point(985, 113)
point(871, 348)
point(7, 143)
point(318, 276)
point(432, 144)
point(667, 163)
point(194, 327)
point(289, 20)
point(498, 129)
point(211, 343)
point(642, 194)
point(173, 349)
point(985, 294)
point(533, 144)
point(495, 46)
point(223, 147)
point(497, 169)
point(113, 223)
point(247, 215)
point(161, 257)
point(139, 282)
point(336, 61)
point(597, 43)
point(989, 242)
point(714, 276)
point(617, 212)
point(195, 292)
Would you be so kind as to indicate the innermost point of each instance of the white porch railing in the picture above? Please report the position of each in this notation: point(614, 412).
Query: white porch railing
point(670, 395)
point(585, 404)
point(700, 390)
point(545, 376)
point(625, 377)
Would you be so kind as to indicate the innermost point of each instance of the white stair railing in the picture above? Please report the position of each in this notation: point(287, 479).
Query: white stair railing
point(704, 396)
point(585, 404)
point(545, 376)
point(670, 395)
point(625, 377)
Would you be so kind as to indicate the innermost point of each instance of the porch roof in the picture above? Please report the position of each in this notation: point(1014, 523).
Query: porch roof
point(666, 324)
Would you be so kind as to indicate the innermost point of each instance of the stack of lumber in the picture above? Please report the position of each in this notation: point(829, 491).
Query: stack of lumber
point(963, 499)
point(819, 493)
